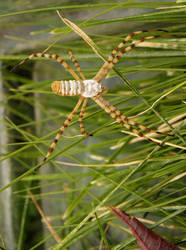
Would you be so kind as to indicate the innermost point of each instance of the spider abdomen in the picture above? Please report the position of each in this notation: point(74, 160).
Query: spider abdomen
point(85, 88)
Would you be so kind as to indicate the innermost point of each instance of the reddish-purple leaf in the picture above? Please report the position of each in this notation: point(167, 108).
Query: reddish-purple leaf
point(146, 238)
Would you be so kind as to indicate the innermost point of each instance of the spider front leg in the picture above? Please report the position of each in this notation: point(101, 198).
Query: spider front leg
point(49, 56)
point(118, 52)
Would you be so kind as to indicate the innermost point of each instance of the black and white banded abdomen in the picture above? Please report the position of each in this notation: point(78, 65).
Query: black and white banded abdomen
point(85, 88)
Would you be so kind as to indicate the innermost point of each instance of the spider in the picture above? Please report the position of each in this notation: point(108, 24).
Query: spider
point(92, 88)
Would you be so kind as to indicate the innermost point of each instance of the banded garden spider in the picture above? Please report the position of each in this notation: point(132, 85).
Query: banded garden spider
point(92, 88)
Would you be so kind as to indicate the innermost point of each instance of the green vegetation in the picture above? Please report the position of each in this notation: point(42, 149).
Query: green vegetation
point(84, 175)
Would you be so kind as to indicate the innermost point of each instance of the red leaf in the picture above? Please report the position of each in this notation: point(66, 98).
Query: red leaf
point(146, 238)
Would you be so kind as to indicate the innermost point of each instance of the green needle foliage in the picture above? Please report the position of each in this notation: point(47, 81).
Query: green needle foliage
point(85, 175)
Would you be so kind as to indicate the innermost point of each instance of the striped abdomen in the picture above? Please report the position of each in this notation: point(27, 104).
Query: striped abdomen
point(85, 88)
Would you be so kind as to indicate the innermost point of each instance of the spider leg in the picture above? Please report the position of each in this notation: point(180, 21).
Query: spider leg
point(61, 130)
point(76, 64)
point(113, 59)
point(82, 112)
point(105, 90)
point(52, 56)
point(122, 119)
point(70, 116)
